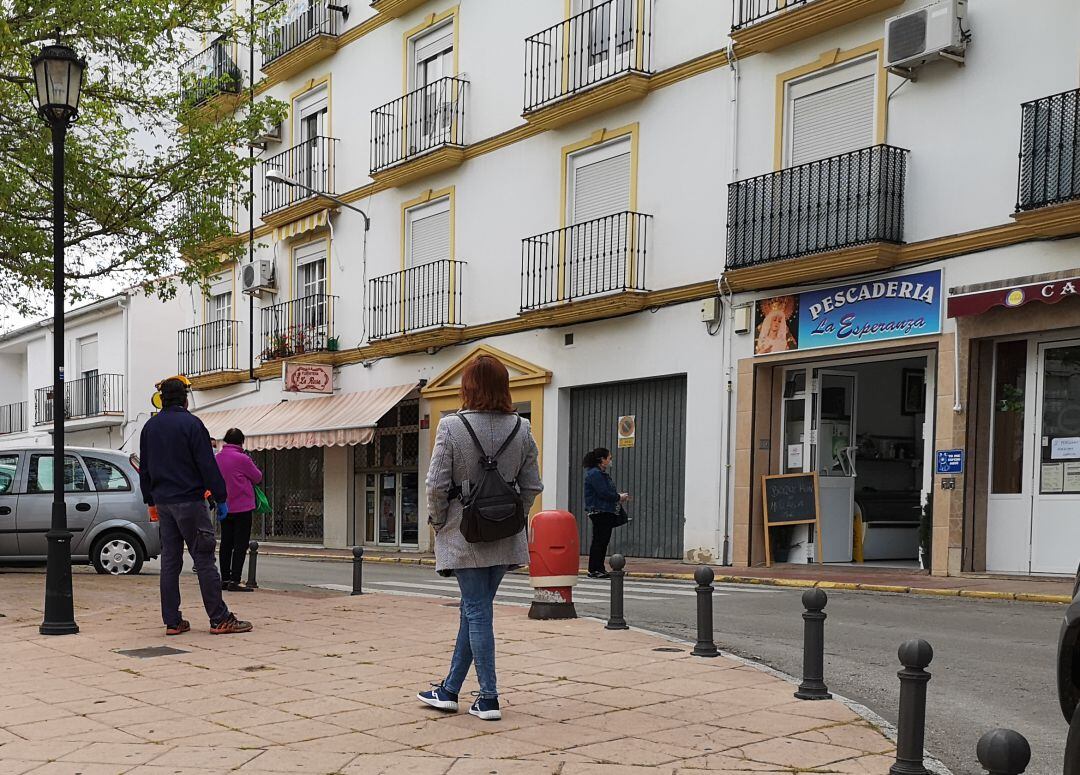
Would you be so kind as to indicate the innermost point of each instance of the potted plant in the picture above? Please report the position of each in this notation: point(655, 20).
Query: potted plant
point(299, 342)
point(279, 346)
point(332, 343)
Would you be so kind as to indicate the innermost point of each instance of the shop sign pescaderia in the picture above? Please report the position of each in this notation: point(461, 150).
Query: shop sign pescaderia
point(869, 311)
point(307, 378)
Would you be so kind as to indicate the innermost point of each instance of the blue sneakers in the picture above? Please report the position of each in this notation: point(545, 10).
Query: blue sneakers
point(440, 698)
point(486, 709)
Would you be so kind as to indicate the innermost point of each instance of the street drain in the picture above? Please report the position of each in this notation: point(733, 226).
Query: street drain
point(669, 649)
point(150, 651)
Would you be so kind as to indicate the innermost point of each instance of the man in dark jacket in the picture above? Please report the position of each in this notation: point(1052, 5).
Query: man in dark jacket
point(177, 468)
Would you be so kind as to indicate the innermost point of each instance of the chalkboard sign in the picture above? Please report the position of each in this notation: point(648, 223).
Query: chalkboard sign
point(790, 499)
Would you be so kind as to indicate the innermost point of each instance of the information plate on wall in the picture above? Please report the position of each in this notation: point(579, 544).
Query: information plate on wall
point(627, 431)
point(307, 378)
point(949, 461)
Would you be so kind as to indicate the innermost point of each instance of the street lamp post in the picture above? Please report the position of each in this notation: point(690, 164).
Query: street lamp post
point(58, 76)
point(275, 176)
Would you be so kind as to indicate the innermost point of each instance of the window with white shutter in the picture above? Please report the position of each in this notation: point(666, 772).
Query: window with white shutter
point(832, 113)
point(600, 182)
point(596, 253)
point(427, 234)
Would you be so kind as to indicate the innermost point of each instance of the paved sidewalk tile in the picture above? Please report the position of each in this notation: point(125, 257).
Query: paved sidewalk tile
point(327, 683)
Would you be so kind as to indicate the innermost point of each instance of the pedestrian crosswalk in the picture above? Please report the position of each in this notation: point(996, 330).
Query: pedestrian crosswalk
point(516, 589)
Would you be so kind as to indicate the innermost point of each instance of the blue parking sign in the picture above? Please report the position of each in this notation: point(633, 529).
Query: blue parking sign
point(949, 461)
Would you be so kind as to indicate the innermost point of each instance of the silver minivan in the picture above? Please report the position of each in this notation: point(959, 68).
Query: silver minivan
point(105, 511)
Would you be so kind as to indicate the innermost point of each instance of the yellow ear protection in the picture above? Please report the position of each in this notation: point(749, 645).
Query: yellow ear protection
point(155, 400)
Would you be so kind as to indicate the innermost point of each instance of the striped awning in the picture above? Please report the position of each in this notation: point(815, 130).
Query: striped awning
point(305, 224)
point(327, 421)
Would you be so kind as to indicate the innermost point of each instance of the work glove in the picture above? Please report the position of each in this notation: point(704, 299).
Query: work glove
point(153, 512)
point(222, 511)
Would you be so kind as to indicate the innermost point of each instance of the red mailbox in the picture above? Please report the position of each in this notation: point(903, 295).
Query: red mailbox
point(553, 564)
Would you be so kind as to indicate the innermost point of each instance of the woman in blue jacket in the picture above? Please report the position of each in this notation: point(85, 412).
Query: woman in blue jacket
point(602, 504)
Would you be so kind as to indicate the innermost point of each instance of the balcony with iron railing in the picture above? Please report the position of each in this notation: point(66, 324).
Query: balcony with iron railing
point(309, 163)
point(420, 298)
point(593, 61)
point(854, 201)
point(419, 134)
point(394, 9)
point(297, 35)
point(605, 257)
point(1048, 189)
point(210, 348)
point(298, 327)
point(766, 25)
point(210, 74)
point(92, 396)
point(13, 418)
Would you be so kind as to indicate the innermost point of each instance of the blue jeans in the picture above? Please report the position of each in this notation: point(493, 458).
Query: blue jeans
point(476, 634)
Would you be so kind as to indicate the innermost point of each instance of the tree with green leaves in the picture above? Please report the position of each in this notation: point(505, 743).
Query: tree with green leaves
point(151, 177)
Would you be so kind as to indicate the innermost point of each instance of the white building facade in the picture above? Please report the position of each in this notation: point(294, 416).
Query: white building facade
point(614, 198)
point(115, 351)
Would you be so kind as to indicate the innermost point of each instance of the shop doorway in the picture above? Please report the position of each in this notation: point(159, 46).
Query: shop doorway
point(1035, 458)
point(293, 482)
point(861, 425)
point(386, 472)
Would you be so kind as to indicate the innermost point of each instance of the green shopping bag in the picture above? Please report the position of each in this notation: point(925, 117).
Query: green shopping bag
point(262, 503)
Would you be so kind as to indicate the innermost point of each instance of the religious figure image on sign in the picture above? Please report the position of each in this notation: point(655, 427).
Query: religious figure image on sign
point(777, 327)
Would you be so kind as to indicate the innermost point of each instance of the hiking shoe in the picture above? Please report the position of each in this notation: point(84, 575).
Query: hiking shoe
point(439, 697)
point(599, 574)
point(178, 629)
point(230, 626)
point(486, 709)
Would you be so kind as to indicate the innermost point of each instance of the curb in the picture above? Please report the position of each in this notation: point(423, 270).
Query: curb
point(847, 586)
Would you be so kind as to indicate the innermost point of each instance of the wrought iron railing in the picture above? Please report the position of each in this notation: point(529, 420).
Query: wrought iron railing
point(210, 73)
point(425, 296)
point(749, 12)
point(310, 164)
point(610, 39)
point(824, 205)
point(197, 206)
point(209, 348)
point(95, 395)
point(602, 256)
point(1049, 151)
point(300, 22)
point(424, 119)
point(304, 325)
point(13, 418)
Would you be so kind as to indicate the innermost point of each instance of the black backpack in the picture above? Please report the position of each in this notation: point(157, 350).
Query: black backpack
point(493, 509)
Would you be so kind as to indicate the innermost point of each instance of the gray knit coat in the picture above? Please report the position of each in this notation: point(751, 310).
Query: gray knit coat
point(455, 460)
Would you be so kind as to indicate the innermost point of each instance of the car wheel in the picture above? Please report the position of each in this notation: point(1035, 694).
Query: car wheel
point(118, 554)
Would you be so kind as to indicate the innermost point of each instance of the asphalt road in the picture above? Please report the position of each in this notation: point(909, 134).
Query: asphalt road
point(993, 664)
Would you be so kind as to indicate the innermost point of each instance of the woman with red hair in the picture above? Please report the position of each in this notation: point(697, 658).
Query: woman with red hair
point(488, 411)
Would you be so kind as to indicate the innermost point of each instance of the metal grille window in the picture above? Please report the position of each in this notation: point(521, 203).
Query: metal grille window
point(826, 205)
point(749, 12)
point(296, 22)
point(293, 482)
point(607, 38)
point(13, 418)
point(1049, 151)
point(209, 73)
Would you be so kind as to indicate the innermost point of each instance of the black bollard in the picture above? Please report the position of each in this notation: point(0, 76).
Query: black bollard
point(914, 655)
point(704, 647)
point(813, 656)
point(615, 617)
point(358, 570)
point(253, 562)
point(1003, 752)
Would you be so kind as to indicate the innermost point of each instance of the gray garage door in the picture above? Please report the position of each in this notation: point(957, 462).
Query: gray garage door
point(653, 471)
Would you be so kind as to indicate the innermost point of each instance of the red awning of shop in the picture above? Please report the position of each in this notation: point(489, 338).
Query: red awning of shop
point(327, 421)
point(1047, 292)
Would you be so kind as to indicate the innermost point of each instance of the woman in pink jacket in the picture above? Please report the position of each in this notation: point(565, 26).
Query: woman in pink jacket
point(241, 475)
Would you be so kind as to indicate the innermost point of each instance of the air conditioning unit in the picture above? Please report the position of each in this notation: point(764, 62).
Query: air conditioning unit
point(258, 276)
point(931, 32)
point(271, 134)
